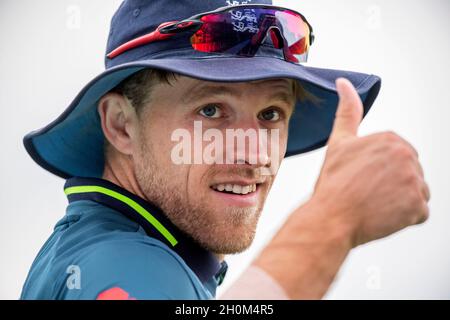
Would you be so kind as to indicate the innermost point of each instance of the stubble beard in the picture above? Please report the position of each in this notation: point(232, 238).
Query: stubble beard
point(231, 234)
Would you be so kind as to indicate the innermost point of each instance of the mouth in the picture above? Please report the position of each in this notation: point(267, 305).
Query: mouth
point(237, 193)
point(237, 189)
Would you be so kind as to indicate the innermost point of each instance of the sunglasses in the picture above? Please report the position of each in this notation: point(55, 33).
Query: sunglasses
point(238, 30)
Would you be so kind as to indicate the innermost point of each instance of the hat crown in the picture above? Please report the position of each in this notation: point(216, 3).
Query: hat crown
point(138, 17)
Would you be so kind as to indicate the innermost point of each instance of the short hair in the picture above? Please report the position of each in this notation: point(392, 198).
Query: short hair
point(137, 87)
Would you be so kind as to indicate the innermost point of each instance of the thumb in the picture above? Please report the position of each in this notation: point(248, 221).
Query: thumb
point(349, 112)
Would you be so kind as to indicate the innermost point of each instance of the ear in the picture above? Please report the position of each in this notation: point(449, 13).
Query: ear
point(119, 122)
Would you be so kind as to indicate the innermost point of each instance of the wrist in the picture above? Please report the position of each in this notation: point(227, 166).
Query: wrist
point(331, 221)
point(307, 251)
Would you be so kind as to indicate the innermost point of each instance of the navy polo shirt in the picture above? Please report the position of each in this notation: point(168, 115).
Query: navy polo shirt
point(112, 244)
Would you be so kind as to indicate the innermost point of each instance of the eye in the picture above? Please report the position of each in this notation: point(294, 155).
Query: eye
point(211, 111)
point(270, 115)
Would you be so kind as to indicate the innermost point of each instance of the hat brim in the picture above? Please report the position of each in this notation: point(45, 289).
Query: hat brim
point(72, 145)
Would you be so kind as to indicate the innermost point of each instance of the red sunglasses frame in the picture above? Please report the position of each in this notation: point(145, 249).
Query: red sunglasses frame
point(168, 29)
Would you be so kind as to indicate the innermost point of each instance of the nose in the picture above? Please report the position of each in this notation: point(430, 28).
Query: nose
point(248, 143)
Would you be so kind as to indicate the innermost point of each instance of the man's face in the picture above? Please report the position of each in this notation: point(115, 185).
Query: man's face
point(196, 196)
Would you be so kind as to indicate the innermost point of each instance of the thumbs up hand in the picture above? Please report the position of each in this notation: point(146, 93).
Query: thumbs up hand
point(349, 112)
point(369, 186)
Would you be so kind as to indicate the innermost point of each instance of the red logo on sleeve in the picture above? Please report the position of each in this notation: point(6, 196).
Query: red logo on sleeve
point(115, 293)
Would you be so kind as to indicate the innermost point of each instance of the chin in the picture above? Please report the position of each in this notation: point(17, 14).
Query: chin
point(232, 240)
point(225, 248)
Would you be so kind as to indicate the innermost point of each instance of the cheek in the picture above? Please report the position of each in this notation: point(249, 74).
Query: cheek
point(197, 181)
point(277, 143)
point(168, 161)
point(283, 144)
point(158, 136)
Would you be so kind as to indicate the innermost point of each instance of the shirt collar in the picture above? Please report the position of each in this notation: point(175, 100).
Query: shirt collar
point(202, 262)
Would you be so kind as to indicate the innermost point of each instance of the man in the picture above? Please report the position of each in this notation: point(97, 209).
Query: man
point(159, 192)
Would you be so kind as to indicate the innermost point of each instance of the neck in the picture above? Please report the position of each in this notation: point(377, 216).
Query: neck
point(120, 173)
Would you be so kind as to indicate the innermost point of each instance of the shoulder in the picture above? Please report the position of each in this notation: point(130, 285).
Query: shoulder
point(135, 267)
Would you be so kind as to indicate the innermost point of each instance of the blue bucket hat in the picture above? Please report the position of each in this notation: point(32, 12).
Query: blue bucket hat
point(72, 145)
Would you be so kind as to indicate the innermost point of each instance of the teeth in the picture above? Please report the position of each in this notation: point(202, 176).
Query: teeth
point(235, 188)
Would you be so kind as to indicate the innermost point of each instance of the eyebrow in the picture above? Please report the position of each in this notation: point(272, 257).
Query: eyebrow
point(215, 90)
point(284, 97)
point(209, 90)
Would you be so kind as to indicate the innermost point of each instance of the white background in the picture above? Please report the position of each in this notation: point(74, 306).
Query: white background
point(50, 49)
